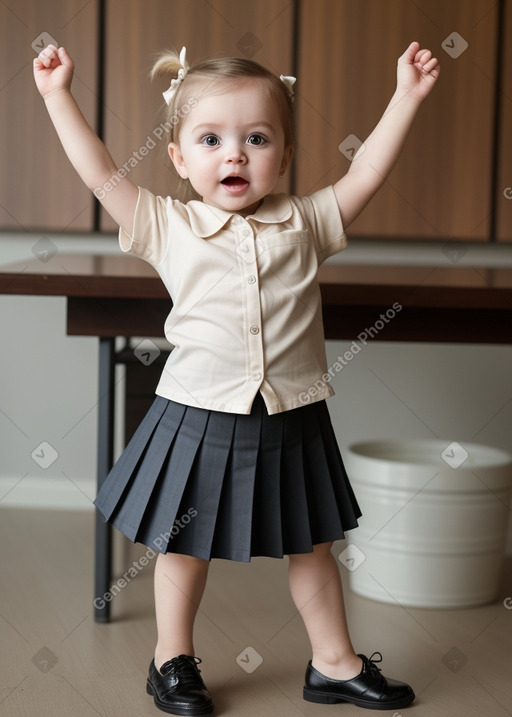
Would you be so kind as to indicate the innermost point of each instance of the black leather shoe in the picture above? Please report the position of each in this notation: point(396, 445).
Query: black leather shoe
point(178, 688)
point(369, 689)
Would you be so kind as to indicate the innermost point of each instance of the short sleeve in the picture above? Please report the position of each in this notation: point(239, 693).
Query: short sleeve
point(150, 229)
point(321, 213)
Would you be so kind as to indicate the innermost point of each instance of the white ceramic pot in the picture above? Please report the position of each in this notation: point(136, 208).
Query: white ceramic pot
point(434, 523)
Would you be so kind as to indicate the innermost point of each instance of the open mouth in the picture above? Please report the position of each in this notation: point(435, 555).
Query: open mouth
point(235, 185)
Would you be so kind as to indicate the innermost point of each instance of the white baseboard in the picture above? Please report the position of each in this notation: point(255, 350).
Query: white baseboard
point(48, 492)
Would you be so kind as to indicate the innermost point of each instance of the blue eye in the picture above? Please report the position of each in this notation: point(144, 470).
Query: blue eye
point(210, 140)
point(256, 140)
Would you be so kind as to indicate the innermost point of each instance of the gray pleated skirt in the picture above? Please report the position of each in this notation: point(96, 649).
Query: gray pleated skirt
point(221, 485)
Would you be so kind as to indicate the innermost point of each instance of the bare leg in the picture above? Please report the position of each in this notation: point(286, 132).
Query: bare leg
point(179, 585)
point(315, 585)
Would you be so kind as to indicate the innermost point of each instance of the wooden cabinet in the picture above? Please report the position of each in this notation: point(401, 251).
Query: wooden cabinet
point(450, 182)
point(39, 190)
point(260, 30)
point(504, 147)
point(441, 185)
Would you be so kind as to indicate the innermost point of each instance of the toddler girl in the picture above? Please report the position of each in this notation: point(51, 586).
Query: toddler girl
point(229, 441)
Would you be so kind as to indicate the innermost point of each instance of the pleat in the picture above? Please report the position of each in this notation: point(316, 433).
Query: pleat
point(345, 499)
point(162, 508)
point(121, 475)
point(232, 535)
point(324, 518)
point(297, 536)
point(267, 528)
point(202, 496)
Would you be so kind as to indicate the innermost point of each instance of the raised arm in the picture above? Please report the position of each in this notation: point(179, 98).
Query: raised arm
point(417, 73)
point(53, 72)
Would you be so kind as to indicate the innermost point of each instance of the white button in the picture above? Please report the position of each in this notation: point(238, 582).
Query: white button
point(254, 330)
point(237, 220)
point(246, 233)
point(251, 279)
point(256, 376)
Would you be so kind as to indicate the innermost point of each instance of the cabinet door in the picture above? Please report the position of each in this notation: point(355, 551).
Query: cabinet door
point(39, 189)
point(504, 183)
point(260, 30)
point(440, 188)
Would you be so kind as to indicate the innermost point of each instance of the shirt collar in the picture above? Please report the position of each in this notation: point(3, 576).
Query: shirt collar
point(206, 220)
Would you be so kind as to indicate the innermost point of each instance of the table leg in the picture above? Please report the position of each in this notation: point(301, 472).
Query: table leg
point(103, 531)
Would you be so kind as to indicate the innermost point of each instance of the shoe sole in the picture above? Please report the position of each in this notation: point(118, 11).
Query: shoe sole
point(327, 698)
point(174, 710)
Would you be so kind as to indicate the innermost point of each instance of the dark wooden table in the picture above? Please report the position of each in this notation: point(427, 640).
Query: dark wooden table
point(122, 296)
point(112, 296)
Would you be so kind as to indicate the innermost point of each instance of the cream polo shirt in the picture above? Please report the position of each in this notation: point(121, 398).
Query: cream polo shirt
point(247, 311)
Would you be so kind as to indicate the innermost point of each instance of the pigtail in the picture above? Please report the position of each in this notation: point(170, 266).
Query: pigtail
point(167, 64)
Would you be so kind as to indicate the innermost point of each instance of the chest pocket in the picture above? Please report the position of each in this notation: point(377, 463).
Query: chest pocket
point(288, 254)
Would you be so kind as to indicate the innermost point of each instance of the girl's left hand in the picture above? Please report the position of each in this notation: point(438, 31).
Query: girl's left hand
point(417, 71)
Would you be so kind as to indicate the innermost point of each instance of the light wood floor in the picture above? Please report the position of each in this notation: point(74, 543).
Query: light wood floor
point(55, 661)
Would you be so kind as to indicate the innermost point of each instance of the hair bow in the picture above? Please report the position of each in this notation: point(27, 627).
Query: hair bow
point(169, 94)
point(289, 81)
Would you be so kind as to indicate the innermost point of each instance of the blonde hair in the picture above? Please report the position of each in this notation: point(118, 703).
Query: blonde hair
point(213, 70)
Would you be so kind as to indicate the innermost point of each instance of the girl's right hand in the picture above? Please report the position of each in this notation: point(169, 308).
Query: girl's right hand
point(53, 70)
